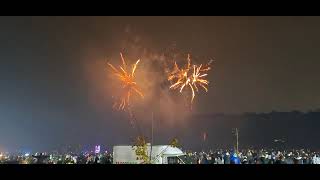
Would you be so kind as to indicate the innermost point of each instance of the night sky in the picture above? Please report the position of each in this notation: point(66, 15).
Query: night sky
point(54, 80)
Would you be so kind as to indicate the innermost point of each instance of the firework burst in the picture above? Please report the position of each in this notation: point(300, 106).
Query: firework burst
point(190, 76)
point(129, 85)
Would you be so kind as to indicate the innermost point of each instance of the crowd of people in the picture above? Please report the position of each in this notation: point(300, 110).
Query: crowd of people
point(253, 156)
point(247, 156)
point(56, 158)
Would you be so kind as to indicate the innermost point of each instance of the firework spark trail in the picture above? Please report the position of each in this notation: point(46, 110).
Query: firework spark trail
point(189, 76)
point(129, 85)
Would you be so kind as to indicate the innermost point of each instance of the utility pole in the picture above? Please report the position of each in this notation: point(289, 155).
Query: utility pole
point(151, 136)
point(237, 136)
point(236, 133)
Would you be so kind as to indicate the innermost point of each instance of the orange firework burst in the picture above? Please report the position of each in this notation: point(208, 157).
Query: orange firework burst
point(129, 84)
point(190, 76)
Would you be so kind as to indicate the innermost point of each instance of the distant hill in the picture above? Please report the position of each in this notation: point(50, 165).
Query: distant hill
point(297, 129)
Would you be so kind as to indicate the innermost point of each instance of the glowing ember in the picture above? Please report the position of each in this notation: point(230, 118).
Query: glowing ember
point(129, 85)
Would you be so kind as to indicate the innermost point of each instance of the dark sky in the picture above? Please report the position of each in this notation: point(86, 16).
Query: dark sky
point(48, 75)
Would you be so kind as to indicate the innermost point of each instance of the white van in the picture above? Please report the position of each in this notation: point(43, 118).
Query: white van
point(161, 154)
